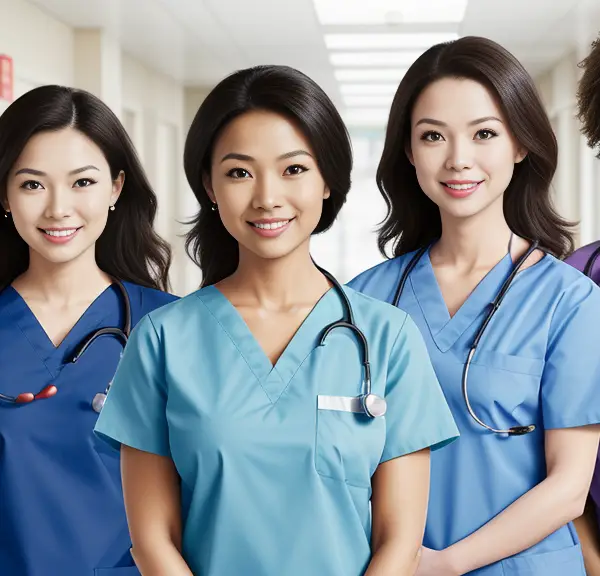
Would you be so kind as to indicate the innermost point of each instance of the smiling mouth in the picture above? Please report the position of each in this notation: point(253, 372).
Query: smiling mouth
point(273, 225)
point(463, 186)
point(62, 233)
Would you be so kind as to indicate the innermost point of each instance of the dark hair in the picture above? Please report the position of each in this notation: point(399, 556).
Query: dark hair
point(588, 97)
point(128, 248)
point(278, 89)
point(413, 220)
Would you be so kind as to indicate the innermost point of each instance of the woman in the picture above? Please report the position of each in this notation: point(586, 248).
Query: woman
point(586, 259)
point(78, 255)
point(245, 411)
point(466, 169)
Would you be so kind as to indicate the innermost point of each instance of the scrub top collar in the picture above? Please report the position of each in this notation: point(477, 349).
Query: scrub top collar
point(273, 379)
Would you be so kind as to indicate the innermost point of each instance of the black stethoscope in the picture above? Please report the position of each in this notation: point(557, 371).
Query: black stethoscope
point(99, 399)
point(370, 404)
point(514, 430)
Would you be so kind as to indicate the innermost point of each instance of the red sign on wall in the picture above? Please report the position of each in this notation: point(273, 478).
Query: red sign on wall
point(6, 78)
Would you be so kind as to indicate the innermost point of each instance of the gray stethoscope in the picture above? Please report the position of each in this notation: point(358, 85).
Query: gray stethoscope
point(371, 404)
point(514, 430)
point(100, 398)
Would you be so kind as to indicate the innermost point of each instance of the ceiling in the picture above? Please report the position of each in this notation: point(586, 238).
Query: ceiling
point(198, 42)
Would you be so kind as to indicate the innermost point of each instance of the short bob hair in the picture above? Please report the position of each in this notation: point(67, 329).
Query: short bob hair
point(278, 89)
point(413, 220)
point(588, 97)
point(128, 248)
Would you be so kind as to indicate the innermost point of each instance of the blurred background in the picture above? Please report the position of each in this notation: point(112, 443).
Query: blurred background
point(153, 62)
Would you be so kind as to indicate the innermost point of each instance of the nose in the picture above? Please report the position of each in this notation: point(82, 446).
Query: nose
point(59, 204)
point(460, 156)
point(266, 193)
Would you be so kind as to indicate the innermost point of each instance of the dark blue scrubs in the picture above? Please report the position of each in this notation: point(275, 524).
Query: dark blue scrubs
point(61, 503)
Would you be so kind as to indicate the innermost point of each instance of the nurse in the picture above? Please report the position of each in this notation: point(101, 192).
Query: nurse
point(78, 254)
point(466, 169)
point(587, 259)
point(238, 404)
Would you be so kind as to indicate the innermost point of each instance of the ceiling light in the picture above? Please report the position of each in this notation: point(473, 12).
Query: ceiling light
point(368, 89)
point(334, 12)
point(373, 58)
point(386, 41)
point(366, 116)
point(369, 101)
point(369, 74)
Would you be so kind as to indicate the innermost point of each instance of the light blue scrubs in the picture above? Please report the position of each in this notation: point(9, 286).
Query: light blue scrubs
point(61, 505)
point(270, 484)
point(537, 363)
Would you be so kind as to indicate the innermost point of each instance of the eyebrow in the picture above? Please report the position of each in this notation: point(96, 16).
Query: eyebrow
point(472, 123)
point(246, 158)
point(40, 173)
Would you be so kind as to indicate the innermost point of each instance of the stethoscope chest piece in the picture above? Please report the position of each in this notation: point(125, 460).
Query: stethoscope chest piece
point(98, 402)
point(373, 406)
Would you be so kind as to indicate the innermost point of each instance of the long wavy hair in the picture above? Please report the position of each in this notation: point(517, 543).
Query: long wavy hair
point(413, 220)
point(278, 89)
point(588, 97)
point(128, 248)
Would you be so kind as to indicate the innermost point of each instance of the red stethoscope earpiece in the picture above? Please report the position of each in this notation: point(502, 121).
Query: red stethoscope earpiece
point(26, 397)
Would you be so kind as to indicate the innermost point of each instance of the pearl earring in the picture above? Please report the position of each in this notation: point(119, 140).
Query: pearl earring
point(112, 208)
point(214, 207)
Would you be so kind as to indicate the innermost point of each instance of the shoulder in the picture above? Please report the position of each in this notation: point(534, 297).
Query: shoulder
point(580, 257)
point(381, 280)
point(179, 310)
point(145, 299)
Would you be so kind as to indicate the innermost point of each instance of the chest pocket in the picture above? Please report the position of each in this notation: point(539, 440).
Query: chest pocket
point(348, 446)
point(505, 389)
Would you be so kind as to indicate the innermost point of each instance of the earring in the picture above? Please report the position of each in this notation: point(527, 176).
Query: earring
point(214, 207)
point(112, 208)
point(6, 213)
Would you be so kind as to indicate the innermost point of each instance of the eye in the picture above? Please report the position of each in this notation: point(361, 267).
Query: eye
point(485, 134)
point(295, 169)
point(84, 182)
point(238, 173)
point(31, 185)
point(432, 136)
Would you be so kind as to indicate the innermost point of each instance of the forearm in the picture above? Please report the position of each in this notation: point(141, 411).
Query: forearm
point(160, 559)
point(394, 559)
point(538, 513)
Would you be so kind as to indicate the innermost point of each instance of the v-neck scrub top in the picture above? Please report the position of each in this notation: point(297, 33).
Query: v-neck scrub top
point(537, 363)
point(61, 505)
point(272, 484)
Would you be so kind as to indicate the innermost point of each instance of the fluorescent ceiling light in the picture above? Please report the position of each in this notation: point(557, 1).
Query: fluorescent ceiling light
point(369, 101)
point(374, 117)
point(368, 89)
point(386, 41)
point(373, 58)
point(369, 74)
point(362, 12)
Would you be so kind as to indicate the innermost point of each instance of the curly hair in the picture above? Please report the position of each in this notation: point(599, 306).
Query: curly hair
point(588, 97)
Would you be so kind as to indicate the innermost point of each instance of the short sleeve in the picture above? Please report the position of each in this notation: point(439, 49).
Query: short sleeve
point(134, 413)
point(570, 387)
point(417, 414)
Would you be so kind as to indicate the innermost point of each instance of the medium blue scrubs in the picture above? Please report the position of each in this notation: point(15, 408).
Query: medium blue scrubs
point(274, 479)
point(61, 505)
point(537, 363)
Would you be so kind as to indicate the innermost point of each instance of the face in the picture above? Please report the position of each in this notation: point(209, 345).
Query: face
point(59, 193)
point(461, 147)
point(267, 186)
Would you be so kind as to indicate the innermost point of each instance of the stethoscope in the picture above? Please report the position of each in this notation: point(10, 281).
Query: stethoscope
point(371, 404)
point(495, 304)
point(100, 398)
point(589, 265)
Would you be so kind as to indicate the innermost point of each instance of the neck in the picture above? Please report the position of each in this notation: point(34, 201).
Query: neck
point(279, 282)
point(73, 281)
point(475, 242)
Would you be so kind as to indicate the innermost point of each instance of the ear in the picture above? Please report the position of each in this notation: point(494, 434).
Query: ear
point(409, 154)
point(521, 155)
point(206, 182)
point(117, 188)
point(326, 193)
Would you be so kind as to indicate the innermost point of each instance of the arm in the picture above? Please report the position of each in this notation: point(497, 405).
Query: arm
point(587, 529)
point(153, 512)
point(400, 495)
point(570, 457)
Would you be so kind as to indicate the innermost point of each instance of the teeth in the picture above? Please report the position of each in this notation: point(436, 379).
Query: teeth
point(462, 186)
point(61, 233)
point(271, 226)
